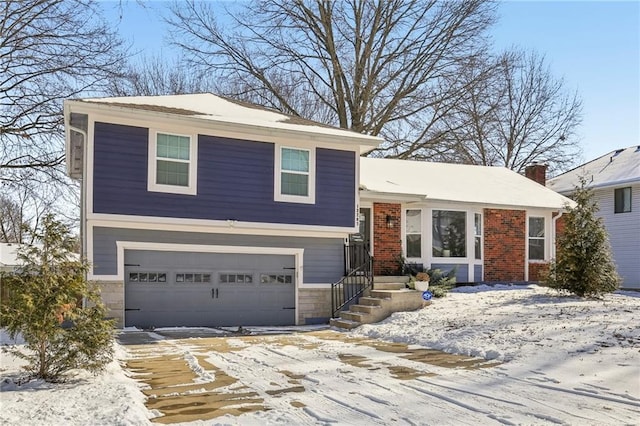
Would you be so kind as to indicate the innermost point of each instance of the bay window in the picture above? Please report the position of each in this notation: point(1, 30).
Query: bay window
point(449, 233)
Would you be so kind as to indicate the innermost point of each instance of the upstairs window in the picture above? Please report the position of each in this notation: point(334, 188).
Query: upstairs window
point(622, 200)
point(536, 238)
point(295, 175)
point(172, 163)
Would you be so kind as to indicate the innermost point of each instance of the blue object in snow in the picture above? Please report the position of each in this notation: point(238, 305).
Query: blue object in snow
point(427, 295)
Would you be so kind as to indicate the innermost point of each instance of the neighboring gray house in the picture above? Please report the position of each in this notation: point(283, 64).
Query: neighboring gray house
point(615, 180)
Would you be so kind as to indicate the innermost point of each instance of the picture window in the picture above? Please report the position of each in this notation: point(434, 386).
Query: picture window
point(449, 233)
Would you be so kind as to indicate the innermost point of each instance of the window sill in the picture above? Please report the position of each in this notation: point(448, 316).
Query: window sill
point(170, 189)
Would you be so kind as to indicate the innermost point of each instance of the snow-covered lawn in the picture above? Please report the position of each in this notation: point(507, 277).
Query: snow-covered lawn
point(565, 360)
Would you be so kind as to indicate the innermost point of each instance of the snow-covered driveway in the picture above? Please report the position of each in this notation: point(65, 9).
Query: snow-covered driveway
point(539, 359)
point(299, 378)
point(545, 360)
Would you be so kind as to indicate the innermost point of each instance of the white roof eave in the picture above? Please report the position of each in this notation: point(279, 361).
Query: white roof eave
point(332, 135)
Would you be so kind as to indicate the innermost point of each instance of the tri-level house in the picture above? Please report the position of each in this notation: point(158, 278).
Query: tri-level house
point(203, 211)
point(615, 181)
point(199, 210)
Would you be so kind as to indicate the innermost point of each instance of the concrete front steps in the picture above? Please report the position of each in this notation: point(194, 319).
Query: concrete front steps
point(389, 295)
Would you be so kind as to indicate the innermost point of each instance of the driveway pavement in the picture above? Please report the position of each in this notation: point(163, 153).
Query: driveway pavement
point(286, 376)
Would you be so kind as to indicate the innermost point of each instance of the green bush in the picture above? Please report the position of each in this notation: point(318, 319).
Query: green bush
point(584, 265)
point(440, 283)
point(45, 307)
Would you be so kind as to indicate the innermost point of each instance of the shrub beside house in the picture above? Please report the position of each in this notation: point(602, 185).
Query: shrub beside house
point(614, 179)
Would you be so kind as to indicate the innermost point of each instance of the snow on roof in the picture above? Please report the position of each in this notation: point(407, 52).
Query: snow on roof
point(208, 106)
point(617, 167)
point(8, 254)
point(456, 182)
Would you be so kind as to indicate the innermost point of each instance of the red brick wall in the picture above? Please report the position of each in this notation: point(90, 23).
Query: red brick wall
point(538, 270)
point(504, 244)
point(537, 172)
point(560, 223)
point(387, 242)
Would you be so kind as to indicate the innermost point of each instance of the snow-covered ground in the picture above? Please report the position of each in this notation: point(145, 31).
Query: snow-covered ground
point(565, 360)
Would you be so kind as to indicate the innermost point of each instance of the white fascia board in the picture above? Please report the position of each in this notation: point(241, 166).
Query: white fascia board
point(145, 118)
point(385, 197)
point(499, 206)
point(417, 198)
point(217, 226)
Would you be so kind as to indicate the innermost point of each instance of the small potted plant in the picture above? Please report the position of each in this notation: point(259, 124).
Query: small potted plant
point(422, 281)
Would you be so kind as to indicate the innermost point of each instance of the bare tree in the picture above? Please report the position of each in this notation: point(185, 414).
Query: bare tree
point(361, 65)
point(11, 222)
point(156, 75)
point(49, 50)
point(515, 113)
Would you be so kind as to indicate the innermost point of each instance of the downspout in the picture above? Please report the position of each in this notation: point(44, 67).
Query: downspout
point(83, 227)
point(554, 234)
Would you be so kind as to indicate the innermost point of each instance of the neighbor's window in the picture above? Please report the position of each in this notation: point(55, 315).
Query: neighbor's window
point(172, 163)
point(623, 200)
point(414, 233)
point(536, 238)
point(449, 233)
point(477, 231)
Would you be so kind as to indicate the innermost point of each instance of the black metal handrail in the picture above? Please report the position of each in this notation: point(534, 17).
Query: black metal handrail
point(353, 284)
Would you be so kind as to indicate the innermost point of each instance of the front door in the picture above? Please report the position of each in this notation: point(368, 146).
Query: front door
point(359, 243)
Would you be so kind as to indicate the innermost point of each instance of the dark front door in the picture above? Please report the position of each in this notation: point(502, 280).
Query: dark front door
point(358, 246)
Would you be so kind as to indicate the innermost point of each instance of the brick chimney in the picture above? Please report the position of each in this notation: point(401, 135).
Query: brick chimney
point(537, 172)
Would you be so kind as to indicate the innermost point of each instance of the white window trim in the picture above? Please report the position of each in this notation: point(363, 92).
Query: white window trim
point(545, 241)
point(277, 190)
point(405, 233)
point(480, 235)
point(152, 186)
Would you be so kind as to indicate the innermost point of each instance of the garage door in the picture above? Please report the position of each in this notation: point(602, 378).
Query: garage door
point(164, 289)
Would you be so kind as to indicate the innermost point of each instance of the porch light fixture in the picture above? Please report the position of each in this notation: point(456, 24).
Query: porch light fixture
point(390, 221)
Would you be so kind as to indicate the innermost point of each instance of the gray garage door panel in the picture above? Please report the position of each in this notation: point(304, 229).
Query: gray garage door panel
point(165, 289)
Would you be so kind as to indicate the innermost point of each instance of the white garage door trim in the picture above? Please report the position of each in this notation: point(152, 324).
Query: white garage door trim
point(298, 254)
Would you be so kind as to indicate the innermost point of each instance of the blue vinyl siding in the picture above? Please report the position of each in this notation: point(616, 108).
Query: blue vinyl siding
point(323, 257)
point(235, 182)
point(462, 270)
point(477, 273)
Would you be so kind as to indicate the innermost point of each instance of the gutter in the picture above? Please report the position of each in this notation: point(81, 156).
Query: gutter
point(83, 226)
point(554, 233)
